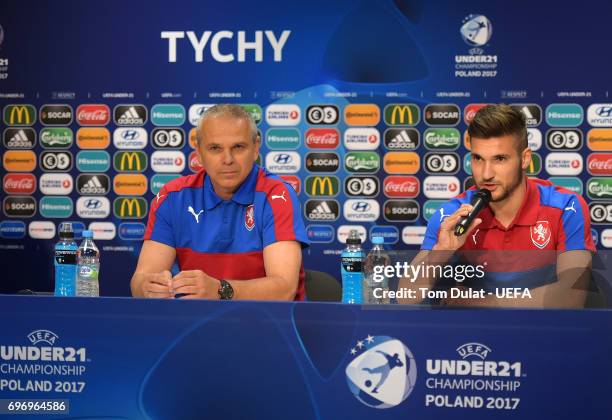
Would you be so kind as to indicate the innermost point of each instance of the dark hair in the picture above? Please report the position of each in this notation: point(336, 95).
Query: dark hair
point(499, 120)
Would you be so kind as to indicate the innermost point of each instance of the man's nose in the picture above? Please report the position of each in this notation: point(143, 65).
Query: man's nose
point(228, 157)
point(488, 172)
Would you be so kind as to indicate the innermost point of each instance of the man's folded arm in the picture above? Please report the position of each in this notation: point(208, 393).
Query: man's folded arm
point(282, 262)
point(155, 259)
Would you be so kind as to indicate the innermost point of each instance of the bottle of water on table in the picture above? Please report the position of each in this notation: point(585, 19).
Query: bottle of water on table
point(65, 256)
point(88, 266)
point(376, 257)
point(352, 269)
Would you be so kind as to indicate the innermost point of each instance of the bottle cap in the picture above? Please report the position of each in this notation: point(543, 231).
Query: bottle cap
point(378, 240)
point(87, 234)
point(66, 230)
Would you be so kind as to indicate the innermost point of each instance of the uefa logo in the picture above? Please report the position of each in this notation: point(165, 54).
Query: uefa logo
point(382, 373)
point(476, 30)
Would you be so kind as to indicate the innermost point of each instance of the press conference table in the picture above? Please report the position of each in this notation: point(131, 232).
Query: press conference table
point(168, 359)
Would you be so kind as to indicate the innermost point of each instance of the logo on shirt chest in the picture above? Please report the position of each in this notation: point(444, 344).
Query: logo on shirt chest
point(540, 233)
point(195, 215)
point(249, 218)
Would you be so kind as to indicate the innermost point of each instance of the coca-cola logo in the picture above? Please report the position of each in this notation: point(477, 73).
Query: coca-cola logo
point(93, 114)
point(402, 186)
point(322, 138)
point(600, 164)
point(19, 183)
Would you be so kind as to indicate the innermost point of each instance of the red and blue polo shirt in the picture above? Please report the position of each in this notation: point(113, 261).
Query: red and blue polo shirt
point(551, 219)
point(226, 238)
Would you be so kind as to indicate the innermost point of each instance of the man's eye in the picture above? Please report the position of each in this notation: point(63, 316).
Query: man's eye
point(501, 158)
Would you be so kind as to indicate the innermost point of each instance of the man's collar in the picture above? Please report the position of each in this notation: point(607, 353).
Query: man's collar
point(527, 214)
point(244, 195)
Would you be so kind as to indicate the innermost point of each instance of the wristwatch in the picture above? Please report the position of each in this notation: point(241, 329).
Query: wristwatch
point(226, 291)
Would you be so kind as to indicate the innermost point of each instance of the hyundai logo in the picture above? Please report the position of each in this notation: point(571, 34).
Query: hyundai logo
point(282, 158)
point(201, 110)
point(93, 204)
point(130, 135)
point(361, 206)
point(604, 111)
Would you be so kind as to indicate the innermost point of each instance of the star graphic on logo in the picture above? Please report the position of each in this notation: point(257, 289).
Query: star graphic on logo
point(369, 339)
point(353, 351)
point(360, 343)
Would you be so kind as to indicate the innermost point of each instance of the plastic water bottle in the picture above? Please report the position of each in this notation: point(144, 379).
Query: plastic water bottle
point(376, 257)
point(352, 269)
point(88, 266)
point(65, 256)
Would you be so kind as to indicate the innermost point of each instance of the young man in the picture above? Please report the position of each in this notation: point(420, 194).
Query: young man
point(235, 229)
point(532, 235)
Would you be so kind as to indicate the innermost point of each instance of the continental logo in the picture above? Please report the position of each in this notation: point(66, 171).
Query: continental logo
point(402, 114)
point(600, 139)
point(322, 186)
point(20, 114)
point(130, 161)
point(130, 184)
point(362, 114)
point(130, 207)
point(407, 163)
point(93, 138)
point(19, 161)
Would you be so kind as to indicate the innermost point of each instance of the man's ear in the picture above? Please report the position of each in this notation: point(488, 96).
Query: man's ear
point(526, 158)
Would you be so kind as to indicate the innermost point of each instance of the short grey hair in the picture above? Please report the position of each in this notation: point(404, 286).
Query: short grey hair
point(227, 110)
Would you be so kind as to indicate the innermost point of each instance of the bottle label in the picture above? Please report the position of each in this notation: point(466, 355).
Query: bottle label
point(352, 264)
point(88, 271)
point(65, 256)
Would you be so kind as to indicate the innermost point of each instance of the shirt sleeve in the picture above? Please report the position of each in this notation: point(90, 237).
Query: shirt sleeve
point(433, 227)
point(282, 217)
point(575, 228)
point(159, 226)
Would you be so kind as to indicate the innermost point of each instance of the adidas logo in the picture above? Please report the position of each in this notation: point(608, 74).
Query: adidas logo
point(130, 117)
point(402, 141)
point(322, 212)
point(93, 186)
point(20, 140)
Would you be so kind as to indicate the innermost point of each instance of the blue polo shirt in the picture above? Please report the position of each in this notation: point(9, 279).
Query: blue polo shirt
point(226, 238)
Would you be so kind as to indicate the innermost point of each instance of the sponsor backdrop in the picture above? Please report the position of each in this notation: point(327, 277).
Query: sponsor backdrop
point(362, 107)
point(353, 364)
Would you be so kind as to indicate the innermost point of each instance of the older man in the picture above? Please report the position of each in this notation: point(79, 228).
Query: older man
point(235, 229)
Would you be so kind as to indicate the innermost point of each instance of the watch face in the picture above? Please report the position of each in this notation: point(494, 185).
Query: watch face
point(226, 291)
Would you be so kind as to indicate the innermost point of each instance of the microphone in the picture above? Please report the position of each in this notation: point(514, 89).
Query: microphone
point(479, 201)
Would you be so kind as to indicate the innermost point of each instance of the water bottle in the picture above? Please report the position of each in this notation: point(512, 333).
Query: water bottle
point(65, 257)
point(352, 269)
point(88, 258)
point(376, 257)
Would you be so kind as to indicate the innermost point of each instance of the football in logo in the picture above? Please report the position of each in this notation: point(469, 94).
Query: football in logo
point(476, 30)
point(249, 218)
point(382, 373)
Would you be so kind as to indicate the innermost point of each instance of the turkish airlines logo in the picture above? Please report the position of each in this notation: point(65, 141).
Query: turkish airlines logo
point(19, 183)
point(441, 187)
point(283, 114)
point(168, 161)
point(401, 186)
point(600, 163)
point(564, 163)
point(366, 138)
point(56, 184)
point(93, 114)
point(322, 138)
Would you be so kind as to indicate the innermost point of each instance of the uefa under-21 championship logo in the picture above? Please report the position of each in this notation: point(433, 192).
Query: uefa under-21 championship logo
point(476, 30)
point(382, 373)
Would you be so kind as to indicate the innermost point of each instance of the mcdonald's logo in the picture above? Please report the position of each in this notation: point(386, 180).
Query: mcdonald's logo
point(130, 207)
point(535, 166)
point(322, 186)
point(127, 161)
point(19, 115)
point(402, 114)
